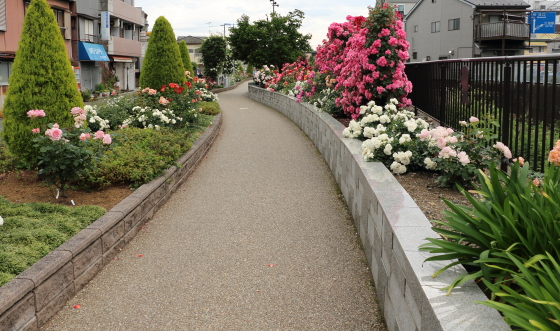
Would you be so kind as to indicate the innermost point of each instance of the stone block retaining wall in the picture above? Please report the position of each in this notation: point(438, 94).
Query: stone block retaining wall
point(391, 227)
point(33, 297)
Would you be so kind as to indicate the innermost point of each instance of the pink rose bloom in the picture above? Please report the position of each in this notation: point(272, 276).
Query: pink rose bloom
point(85, 136)
point(536, 181)
point(36, 130)
point(441, 143)
point(424, 135)
point(107, 139)
point(55, 126)
point(463, 158)
point(76, 111)
point(36, 113)
point(452, 140)
point(473, 119)
point(152, 92)
point(54, 134)
point(381, 61)
point(99, 135)
point(380, 89)
point(163, 101)
point(520, 160)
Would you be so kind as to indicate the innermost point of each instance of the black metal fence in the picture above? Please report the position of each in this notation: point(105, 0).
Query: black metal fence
point(521, 92)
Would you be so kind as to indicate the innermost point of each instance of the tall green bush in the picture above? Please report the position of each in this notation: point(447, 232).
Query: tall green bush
point(186, 57)
point(162, 63)
point(42, 78)
point(213, 55)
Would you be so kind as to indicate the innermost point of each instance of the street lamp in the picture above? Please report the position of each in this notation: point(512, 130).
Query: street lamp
point(209, 27)
point(274, 4)
point(224, 25)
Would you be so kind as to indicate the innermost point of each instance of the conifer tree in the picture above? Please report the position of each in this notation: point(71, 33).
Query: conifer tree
point(42, 78)
point(162, 63)
point(186, 57)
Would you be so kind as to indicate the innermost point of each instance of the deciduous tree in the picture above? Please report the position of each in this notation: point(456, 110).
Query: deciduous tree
point(213, 51)
point(275, 41)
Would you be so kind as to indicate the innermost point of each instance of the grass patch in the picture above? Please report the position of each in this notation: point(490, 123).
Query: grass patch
point(210, 108)
point(32, 230)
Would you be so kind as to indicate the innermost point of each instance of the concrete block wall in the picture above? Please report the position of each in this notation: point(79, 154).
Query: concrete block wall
point(34, 296)
point(391, 227)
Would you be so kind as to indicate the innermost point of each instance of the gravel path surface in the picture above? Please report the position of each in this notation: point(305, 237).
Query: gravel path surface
point(256, 239)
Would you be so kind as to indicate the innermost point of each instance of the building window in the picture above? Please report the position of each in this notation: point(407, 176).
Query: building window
point(414, 55)
point(63, 21)
point(400, 10)
point(191, 50)
point(433, 1)
point(88, 31)
point(5, 72)
point(416, 28)
point(453, 24)
point(3, 15)
point(435, 27)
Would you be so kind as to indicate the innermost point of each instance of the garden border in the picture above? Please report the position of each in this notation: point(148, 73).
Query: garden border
point(391, 227)
point(28, 301)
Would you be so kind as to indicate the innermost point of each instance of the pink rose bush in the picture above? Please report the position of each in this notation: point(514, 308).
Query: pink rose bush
point(65, 153)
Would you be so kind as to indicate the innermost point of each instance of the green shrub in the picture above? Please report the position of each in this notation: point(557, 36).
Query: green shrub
point(32, 230)
point(162, 63)
point(7, 161)
point(186, 57)
point(514, 215)
point(42, 78)
point(138, 156)
point(213, 51)
point(210, 108)
point(250, 69)
point(109, 114)
point(532, 300)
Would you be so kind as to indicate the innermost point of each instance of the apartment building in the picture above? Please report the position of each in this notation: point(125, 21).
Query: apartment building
point(193, 45)
point(452, 29)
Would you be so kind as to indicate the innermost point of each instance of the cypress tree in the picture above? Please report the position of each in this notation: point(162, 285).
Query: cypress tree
point(186, 57)
point(42, 78)
point(162, 63)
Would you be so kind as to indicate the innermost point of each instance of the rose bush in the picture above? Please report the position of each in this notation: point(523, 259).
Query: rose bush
point(66, 153)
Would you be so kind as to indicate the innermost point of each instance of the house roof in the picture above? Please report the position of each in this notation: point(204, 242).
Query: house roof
point(499, 3)
point(484, 3)
point(190, 40)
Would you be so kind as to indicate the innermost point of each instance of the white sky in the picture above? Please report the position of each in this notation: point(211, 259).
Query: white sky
point(202, 18)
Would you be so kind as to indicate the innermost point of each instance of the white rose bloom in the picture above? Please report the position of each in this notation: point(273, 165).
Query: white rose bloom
point(404, 139)
point(398, 168)
point(369, 132)
point(394, 101)
point(431, 165)
point(384, 119)
point(150, 126)
point(363, 110)
point(346, 133)
point(371, 104)
point(377, 110)
point(388, 149)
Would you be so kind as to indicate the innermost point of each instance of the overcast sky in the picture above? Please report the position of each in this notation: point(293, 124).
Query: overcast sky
point(202, 18)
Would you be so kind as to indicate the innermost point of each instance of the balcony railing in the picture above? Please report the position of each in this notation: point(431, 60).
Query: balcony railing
point(495, 30)
point(124, 47)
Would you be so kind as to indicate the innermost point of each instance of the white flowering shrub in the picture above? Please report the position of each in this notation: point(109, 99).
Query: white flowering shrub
point(146, 118)
point(206, 95)
point(390, 136)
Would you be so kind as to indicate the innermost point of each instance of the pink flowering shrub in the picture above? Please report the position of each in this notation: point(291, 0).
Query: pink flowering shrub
point(457, 156)
point(367, 57)
point(65, 153)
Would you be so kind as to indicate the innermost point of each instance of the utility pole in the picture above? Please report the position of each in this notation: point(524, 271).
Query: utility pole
point(274, 4)
point(224, 25)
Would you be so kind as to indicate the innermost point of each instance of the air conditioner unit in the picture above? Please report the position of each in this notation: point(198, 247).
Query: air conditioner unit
point(427, 58)
point(543, 7)
point(115, 22)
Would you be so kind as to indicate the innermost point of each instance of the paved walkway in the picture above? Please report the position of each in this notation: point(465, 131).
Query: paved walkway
point(256, 239)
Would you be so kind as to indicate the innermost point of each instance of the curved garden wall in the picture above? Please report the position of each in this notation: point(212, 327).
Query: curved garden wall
point(391, 227)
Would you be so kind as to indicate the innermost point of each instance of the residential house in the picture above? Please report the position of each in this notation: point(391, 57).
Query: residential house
point(122, 25)
point(12, 13)
point(193, 45)
point(451, 29)
point(88, 52)
point(402, 6)
point(542, 43)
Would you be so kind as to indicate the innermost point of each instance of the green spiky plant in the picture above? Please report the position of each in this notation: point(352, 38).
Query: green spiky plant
point(186, 57)
point(42, 78)
point(162, 63)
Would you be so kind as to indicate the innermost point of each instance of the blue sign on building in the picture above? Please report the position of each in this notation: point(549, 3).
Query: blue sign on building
point(542, 22)
point(91, 52)
point(105, 25)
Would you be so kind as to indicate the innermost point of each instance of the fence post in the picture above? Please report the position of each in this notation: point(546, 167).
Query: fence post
point(443, 93)
point(506, 111)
